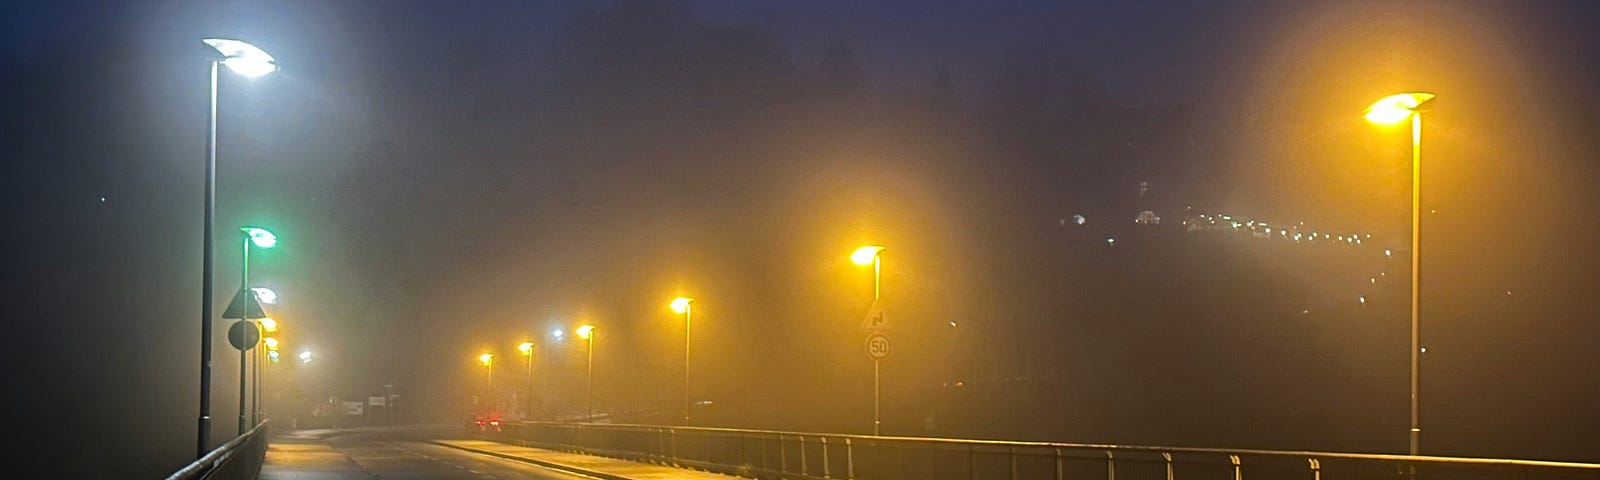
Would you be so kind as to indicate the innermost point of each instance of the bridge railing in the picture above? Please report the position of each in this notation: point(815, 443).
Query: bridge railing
point(791, 455)
point(240, 458)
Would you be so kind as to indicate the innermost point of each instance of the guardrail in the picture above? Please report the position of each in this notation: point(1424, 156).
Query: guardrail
point(791, 455)
point(240, 458)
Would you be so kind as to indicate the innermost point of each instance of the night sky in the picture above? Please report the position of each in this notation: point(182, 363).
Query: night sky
point(452, 178)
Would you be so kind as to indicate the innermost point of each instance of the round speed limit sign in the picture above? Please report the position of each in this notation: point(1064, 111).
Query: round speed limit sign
point(877, 346)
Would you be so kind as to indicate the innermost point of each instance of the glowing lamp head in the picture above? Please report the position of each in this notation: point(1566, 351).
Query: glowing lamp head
point(265, 295)
point(681, 304)
point(243, 58)
point(486, 359)
point(1396, 108)
point(269, 325)
point(557, 333)
point(272, 355)
point(526, 348)
point(272, 343)
point(260, 236)
point(865, 255)
point(305, 356)
point(584, 332)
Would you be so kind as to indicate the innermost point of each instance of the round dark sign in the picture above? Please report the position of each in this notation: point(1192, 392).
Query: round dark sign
point(244, 335)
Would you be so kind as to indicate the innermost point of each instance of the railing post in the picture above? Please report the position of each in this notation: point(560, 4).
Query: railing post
point(971, 470)
point(1238, 473)
point(1316, 468)
point(1111, 466)
point(1168, 457)
point(826, 472)
point(849, 460)
point(1013, 455)
point(803, 466)
point(783, 455)
point(1061, 470)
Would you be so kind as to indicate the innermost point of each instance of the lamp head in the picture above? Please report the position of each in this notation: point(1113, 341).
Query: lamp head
point(681, 304)
point(865, 255)
point(526, 348)
point(265, 295)
point(486, 359)
point(586, 331)
point(1396, 108)
point(260, 236)
point(243, 58)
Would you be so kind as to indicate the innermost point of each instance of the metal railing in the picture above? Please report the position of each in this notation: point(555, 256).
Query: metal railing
point(792, 455)
point(240, 458)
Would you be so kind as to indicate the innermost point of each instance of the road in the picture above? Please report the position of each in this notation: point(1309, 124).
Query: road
point(388, 455)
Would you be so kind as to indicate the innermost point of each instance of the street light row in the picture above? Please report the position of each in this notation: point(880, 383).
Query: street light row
point(866, 255)
point(249, 61)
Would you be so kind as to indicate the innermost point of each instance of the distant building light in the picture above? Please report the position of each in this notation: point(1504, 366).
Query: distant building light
point(1078, 219)
point(1147, 218)
point(1111, 241)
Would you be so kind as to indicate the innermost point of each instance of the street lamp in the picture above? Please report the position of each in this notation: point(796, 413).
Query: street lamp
point(586, 332)
point(261, 238)
point(265, 295)
point(269, 325)
point(247, 60)
point(305, 357)
point(1391, 110)
point(683, 305)
point(862, 256)
point(487, 360)
point(527, 351)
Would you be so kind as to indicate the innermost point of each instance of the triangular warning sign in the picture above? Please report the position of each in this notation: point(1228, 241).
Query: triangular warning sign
point(875, 321)
point(244, 306)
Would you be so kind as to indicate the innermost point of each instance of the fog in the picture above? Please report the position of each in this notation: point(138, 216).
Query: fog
point(450, 180)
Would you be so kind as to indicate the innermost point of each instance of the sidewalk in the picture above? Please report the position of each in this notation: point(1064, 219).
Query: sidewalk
point(603, 467)
point(302, 455)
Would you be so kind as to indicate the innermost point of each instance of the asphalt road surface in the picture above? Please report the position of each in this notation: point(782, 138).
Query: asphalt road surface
point(390, 456)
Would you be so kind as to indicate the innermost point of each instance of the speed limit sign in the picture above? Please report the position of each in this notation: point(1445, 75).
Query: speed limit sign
point(877, 346)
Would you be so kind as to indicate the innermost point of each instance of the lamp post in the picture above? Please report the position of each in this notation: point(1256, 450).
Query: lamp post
point(487, 359)
point(1390, 110)
point(527, 351)
point(684, 306)
point(247, 60)
point(262, 238)
point(862, 256)
point(268, 326)
point(586, 332)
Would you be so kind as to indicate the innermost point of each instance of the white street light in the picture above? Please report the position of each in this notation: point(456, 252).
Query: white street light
point(247, 60)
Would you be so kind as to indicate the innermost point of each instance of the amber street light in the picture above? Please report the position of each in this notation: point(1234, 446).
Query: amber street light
point(586, 332)
point(527, 351)
point(1391, 110)
point(863, 256)
point(682, 305)
point(487, 360)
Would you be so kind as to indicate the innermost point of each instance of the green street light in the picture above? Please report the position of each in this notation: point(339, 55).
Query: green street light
point(260, 236)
